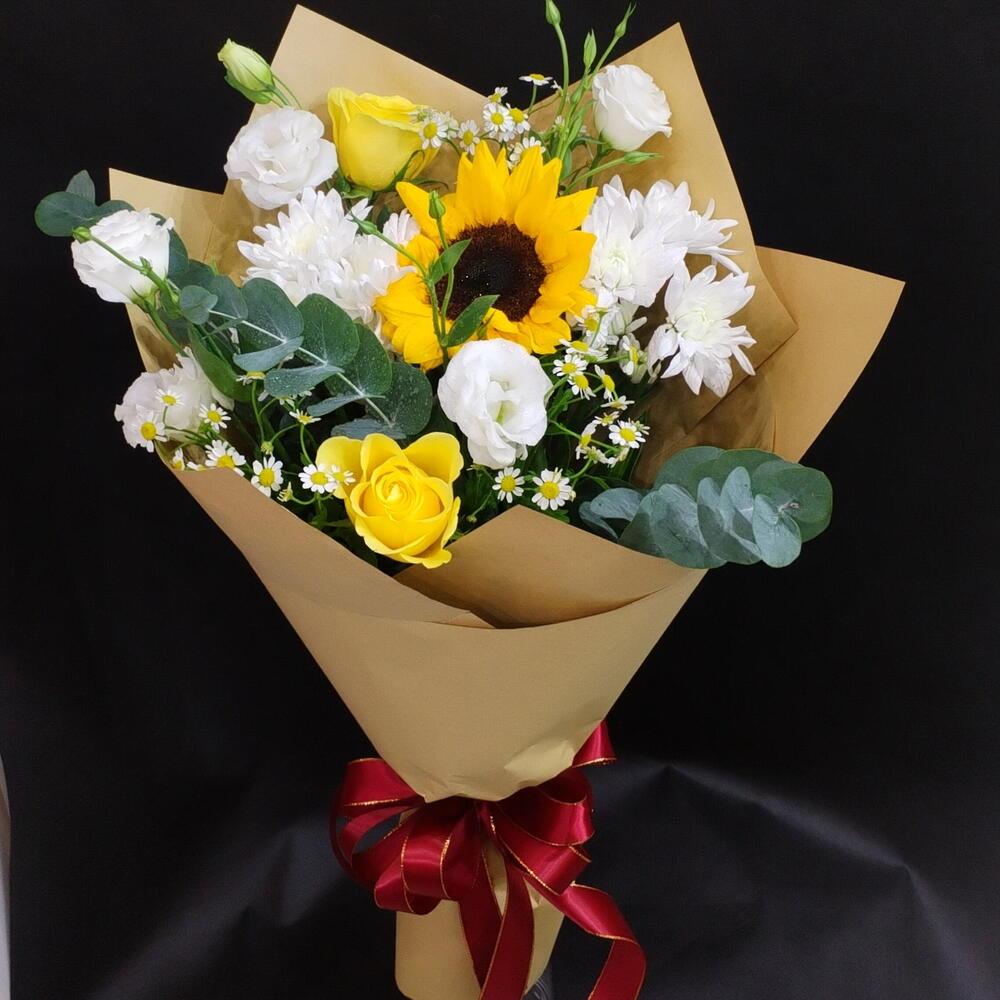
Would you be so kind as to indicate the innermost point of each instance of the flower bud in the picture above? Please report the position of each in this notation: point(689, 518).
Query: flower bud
point(552, 14)
point(247, 72)
point(435, 206)
point(589, 49)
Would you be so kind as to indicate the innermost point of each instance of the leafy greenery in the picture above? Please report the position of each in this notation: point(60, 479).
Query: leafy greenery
point(708, 507)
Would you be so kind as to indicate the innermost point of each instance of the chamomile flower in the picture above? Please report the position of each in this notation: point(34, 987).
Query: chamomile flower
point(250, 377)
point(302, 417)
point(618, 403)
point(145, 429)
point(267, 475)
point(628, 433)
point(508, 484)
point(570, 365)
point(580, 386)
point(434, 128)
point(286, 495)
point(537, 79)
point(222, 455)
point(519, 149)
point(468, 136)
point(317, 479)
point(497, 96)
point(341, 479)
point(607, 383)
point(519, 120)
point(267, 447)
point(177, 462)
point(607, 419)
point(553, 489)
point(635, 363)
point(169, 395)
point(497, 122)
point(585, 446)
point(214, 415)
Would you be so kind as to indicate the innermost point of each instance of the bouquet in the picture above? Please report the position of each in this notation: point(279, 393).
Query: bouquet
point(479, 388)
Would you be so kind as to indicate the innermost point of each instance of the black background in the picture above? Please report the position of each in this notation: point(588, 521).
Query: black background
point(808, 803)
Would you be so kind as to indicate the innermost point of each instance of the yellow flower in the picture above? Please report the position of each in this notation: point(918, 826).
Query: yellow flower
point(526, 247)
point(376, 137)
point(401, 500)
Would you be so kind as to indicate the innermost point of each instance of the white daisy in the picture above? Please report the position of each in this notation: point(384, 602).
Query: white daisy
point(508, 484)
point(585, 446)
point(214, 415)
point(634, 362)
point(536, 79)
point(517, 151)
point(177, 462)
point(580, 386)
point(169, 395)
point(250, 377)
point(618, 403)
point(468, 136)
point(553, 489)
point(519, 119)
point(286, 494)
point(144, 430)
point(497, 96)
point(317, 479)
point(222, 455)
point(628, 433)
point(267, 475)
point(434, 129)
point(302, 417)
point(607, 383)
point(570, 365)
point(497, 122)
point(698, 337)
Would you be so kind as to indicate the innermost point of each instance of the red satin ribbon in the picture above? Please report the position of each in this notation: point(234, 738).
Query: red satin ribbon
point(437, 850)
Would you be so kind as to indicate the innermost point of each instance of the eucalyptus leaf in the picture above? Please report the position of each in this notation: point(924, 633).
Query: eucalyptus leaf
point(271, 317)
point(408, 400)
point(287, 382)
point(620, 504)
point(196, 304)
point(60, 213)
point(328, 332)
point(666, 524)
point(264, 361)
point(776, 532)
point(681, 468)
point(333, 403)
point(727, 533)
point(83, 185)
point(231, 302)
point(178, 261)
point(369, 373)
point(363, 426)
point(806, 494)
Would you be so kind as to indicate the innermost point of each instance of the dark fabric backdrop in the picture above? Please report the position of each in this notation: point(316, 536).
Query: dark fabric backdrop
point(808, 805)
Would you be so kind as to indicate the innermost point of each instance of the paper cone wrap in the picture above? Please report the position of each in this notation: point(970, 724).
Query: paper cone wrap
point(488, 674)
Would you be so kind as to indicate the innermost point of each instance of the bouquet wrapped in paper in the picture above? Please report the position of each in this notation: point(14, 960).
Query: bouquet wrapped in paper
point(480, 390)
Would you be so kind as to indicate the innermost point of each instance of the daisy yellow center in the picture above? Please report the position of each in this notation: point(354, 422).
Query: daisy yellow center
point(468, 136)
point(499, 260)
point(318, 478)
point(585, 440)
point(266, 477)
point(430, 130)
point(148, 430)
point(508, 484)
point(213, 416)
point(570, 368)
point(168, 400)
point(608, 382)
point(225, 462)
point(580, 381)
point(498, 118)
point(549, 490)
point(626, 433)
point(517, 114)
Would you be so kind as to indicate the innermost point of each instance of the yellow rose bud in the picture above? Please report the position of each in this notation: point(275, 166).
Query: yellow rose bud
point(247, 71)
point(376, 137)
point(400, 500)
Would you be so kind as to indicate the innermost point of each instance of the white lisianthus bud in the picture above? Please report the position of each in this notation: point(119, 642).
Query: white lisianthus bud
point(495, 391)
point(247, 71)
point(164, 405)
point(629, 108)
point(137, 236)
point(279, 155)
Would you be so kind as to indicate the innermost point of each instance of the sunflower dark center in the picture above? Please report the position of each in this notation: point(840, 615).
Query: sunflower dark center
point(499, 260)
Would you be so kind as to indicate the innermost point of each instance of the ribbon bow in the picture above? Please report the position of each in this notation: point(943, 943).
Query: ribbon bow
point(437, 852)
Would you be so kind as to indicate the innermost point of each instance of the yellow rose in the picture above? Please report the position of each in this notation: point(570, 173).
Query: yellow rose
point(376, 137)
point(400, 500)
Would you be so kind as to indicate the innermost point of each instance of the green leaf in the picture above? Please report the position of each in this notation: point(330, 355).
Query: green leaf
point(362, 427)
point(723, 520)
point(408, 400)
point(196, 274)
point(196, 304)
point(271, 317)
point(469, 320)
point(776, 533)
point(332, 403)
point(619, 504)
point(447, 260)
point(231, 301)
point(682, 468)
point(219, 372)
point(262, 361)
point(806, 494)
point(83, 185)
point(327, 331)
point(178, 261)
point(666, 524)
point(60, 213)
point(287, 382)
point(369, 374)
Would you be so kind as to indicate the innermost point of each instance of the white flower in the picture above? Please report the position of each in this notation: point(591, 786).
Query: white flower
point(618, 403)
point(495, 391)
point(628, 107)
point(267, 475)
point(569, 365)
point(580, 386)
point(509, 483)
point(222, 455)
point(186, 383)
point(634, 363)
point(177, 461)
point(314, 248)
point(214, 415)
point(136, 236)
point(520, 121)
point(683, 228)
point(585, 447)
point(536, 79)
point(497, 121)
point(497, 96)
point(553, 489)
point(279, 155)
point(468, 136)
point(632, 255)
point(603, 328)
point(434, 129)
point(698, 333)
point(607, 383)
point(303, 417)
point(143, 429)
point(519, 148)
point(628, 433)
point(319, 478)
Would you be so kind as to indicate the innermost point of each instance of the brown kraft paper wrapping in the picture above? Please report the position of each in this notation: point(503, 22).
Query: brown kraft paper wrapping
point(481, 677)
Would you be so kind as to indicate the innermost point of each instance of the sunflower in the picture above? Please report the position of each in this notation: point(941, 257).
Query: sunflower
point(525, 246)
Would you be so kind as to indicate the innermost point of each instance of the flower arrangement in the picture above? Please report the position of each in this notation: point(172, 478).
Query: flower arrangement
point(479, 388)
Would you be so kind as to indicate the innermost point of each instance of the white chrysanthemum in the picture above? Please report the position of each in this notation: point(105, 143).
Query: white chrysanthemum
point(632, 257)
point(185, 383)
point(685, 229)
point(314, 248)
point(553, 489)
point(698, 336)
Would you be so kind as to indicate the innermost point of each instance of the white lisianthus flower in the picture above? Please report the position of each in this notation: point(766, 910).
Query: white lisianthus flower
point(136, 236)
point(279, 155)
point(495, 391)
point(698, 336)
point(148, 399)
point(629, 108)
point(633, 255)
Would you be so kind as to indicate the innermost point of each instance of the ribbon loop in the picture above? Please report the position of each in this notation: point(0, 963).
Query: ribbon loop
point(437, 851)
